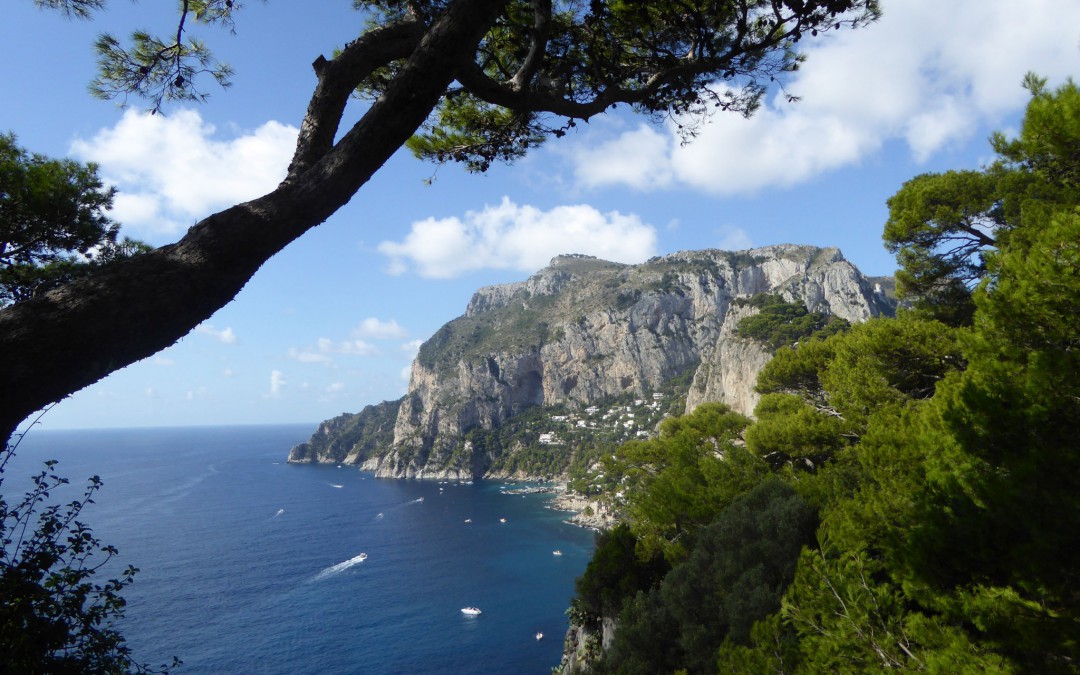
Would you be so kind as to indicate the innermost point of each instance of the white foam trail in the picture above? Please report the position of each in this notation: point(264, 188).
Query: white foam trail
point(340, 567)
point(279, 512)
point(335, 485)
point(418, 500)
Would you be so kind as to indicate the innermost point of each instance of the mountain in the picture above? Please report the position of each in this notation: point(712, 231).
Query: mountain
point(579, 336)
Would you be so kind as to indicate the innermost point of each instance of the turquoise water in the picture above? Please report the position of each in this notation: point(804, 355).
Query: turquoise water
point(250, 565)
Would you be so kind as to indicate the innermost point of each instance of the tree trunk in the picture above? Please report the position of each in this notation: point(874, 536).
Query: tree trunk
point(54, 345)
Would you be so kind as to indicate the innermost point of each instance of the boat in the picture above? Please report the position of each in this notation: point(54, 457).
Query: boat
point(539, 636)
point(468, 520)
point(556, 552)
point(471, 611)
point(502, 520)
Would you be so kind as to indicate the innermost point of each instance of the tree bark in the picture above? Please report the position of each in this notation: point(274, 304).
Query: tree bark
point(54, 345)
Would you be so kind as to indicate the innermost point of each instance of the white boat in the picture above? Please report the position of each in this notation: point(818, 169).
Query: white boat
point(539, 636)
point(556, 552)
point(468, 520)
point(502, 520)
point(471, 611)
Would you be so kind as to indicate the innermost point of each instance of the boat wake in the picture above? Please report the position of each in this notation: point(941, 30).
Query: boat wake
point(335, 485)
point(279, 512)
point(393, 508)
point(340, 567)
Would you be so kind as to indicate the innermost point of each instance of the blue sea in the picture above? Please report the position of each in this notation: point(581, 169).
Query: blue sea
point(251, 565)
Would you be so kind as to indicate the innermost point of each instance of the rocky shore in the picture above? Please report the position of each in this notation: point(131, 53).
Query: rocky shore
point(586, 512)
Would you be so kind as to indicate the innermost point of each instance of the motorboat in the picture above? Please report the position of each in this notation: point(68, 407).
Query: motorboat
point(556, 552)
point(471, 611)
point(539, 636)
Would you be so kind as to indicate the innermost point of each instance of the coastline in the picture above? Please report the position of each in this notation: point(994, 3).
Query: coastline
point(585, 512)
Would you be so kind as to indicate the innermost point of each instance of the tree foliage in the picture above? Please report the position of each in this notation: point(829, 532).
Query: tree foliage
point(677, 482)
point(941, 226)
point(616, 572)
point(782, 324)
point(54, 616)
point(736, 574)
point(942, 465)
point(53, 226)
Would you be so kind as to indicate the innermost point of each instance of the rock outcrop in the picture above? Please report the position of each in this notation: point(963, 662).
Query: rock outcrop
point(585, 330)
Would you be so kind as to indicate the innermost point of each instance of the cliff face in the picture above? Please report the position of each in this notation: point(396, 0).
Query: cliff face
point(583, 330)
point(350, 438)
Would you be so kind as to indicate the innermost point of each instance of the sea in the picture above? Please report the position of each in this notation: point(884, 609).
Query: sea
point(248, 564)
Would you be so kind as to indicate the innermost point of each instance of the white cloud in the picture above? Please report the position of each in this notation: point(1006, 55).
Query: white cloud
point(163, 361)
point(335, 387)
point(225, 335)
point(734, 239)
point(325, 349)
point(524, 238)
point(927, 74)
point(173, 170)
point(372, 327)
point(637, 158)
point(277, 383)
point(309, 356)
point(355, 348)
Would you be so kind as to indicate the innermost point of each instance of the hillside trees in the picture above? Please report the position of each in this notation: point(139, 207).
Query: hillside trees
point(52, 222)
point(678, 481)
point(941, 226)
point(474, 81)
point(779, 323)
point(941, 465)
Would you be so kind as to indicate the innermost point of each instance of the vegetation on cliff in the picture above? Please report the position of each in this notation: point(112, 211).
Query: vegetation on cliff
point(908, 496)
point(357, 436)
point(781, 324)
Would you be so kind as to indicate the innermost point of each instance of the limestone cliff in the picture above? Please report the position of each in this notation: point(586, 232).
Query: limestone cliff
point(583, 331)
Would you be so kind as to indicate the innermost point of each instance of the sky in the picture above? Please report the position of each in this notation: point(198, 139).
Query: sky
point(332, 323)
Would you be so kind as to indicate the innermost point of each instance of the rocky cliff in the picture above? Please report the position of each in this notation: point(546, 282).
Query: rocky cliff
point(581, 332)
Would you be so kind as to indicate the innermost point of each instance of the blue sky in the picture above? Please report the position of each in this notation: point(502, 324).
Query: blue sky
point(332, 323)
